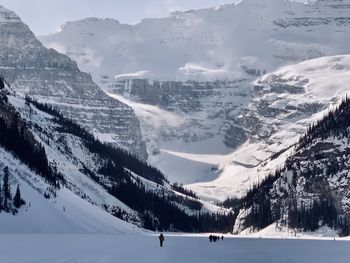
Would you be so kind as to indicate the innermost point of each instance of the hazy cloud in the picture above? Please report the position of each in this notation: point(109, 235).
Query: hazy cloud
point(46, 16)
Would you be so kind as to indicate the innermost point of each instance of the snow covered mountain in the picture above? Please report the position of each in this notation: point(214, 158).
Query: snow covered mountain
point(312, 188)
point(284, 104)
point(188, 77)
point(67, 174)
point(47, 208)
point(51, 77)
point(209, 44)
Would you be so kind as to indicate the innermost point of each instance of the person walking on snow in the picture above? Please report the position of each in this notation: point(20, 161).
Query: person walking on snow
point(161, 239)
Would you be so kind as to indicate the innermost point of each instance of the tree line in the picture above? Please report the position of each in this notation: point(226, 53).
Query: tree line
point(16, 137)
point(8, 202)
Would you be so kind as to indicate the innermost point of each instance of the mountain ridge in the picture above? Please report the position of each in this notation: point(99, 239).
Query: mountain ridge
point(216, 30)
point(49, 76)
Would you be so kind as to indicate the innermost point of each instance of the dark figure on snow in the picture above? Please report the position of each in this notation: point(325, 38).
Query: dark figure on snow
point(211, 238)
point(222, 238)
point(161, 239)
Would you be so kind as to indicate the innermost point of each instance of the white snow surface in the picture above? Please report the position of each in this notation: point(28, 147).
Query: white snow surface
point(67, 213)
point(325, 77)
point(152, 115)
point(275, 231)
point(25, 248)
point(136, 75)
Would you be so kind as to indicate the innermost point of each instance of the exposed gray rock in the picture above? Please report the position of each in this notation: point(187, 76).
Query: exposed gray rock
point(338, 17)
point(235, 136)
point(50, 77)
point(205, 106)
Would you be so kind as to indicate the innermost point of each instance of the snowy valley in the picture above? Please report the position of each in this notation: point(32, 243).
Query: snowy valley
point(228, 120)
point(209, 110)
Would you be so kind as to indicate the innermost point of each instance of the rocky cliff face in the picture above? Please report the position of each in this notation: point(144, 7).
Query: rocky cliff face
point(204, 107)
point(337, 15)
point(53, 78)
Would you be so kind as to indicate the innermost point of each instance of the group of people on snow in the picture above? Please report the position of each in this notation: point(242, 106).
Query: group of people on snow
point(213, 238)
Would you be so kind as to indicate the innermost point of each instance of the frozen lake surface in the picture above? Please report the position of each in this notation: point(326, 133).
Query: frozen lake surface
point(51, 248)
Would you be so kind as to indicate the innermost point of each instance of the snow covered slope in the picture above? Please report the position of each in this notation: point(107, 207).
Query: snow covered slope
point(284, 104)
point(67, 213)
point(311, 188)
point(47, 207)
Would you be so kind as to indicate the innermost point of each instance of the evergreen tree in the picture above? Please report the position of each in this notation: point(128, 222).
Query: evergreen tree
point(17, 200)
point(0, 198)
point(6, 187)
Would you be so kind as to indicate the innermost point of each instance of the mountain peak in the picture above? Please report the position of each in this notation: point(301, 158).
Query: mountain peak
point(31, 68)
point(93, 22)
point(8, 16)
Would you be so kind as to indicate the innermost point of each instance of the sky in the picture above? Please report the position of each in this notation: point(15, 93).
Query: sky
point(46, 16)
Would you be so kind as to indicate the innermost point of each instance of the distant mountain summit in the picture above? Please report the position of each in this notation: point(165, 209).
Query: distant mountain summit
point(207, 44)
point(44, 74)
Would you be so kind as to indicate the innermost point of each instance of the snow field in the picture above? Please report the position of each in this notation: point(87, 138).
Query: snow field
point(24, 248)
